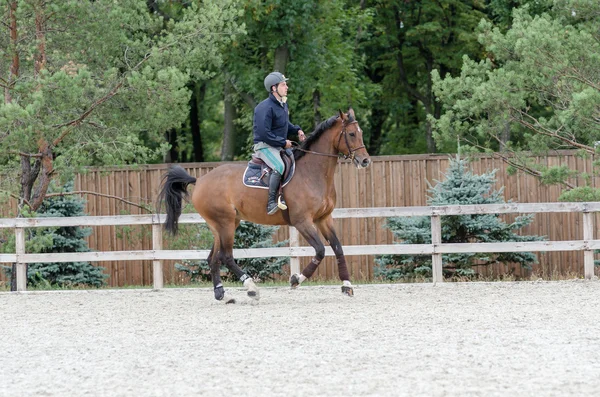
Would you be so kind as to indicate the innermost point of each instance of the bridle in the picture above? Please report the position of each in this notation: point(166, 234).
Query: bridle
point(343, 133)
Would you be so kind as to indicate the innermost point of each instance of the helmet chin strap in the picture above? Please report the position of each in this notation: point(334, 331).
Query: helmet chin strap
point(283, 98)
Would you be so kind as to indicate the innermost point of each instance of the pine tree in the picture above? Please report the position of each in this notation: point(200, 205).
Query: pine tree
point(63, 239)
point(247, 235)
point(460, 186)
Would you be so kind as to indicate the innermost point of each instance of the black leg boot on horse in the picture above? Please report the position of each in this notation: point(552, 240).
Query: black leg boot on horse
point(275, 200)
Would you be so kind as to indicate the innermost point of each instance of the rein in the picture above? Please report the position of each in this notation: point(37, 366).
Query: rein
point(345, 135)
point(317, 153)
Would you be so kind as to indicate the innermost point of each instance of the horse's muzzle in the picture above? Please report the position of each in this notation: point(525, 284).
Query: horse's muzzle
point(362, 163)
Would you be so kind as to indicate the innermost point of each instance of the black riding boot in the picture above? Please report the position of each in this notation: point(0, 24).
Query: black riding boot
point(274, 180)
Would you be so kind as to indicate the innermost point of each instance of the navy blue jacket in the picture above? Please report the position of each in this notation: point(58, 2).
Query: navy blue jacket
point(271, 122)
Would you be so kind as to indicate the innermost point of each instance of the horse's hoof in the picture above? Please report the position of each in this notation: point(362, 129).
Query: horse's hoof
point(219, 293)
point(254, 295)
point(252, 289)
point(229, 300)
point(347, 290)
point(294, 281)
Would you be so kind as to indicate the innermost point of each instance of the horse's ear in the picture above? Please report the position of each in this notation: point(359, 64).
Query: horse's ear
point(342, 115)
point(351, 113)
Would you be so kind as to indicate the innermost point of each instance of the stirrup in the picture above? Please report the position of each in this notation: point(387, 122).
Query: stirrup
point(281, 203)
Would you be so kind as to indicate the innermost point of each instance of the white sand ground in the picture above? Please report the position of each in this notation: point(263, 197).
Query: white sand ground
point(467, 339)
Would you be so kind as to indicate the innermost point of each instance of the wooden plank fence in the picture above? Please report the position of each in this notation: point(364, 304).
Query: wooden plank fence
point(435, 249)
point(391, 181)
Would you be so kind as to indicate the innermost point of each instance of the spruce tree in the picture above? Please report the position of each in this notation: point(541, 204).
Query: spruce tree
point(460, 186)
point(63, 239)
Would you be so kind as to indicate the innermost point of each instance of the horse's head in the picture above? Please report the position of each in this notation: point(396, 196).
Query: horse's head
point(350, 142)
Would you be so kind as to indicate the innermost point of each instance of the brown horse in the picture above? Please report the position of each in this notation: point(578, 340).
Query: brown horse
point(223, 201)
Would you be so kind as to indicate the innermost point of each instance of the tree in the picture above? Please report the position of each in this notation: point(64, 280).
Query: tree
point(193, 140)
point(83, 77)
point(93, 83)
point(460, 186)
point(60, 240)
point(315, 43)
point(537, 91)
point(328, 63)
point(409, 40)
point(65, 239)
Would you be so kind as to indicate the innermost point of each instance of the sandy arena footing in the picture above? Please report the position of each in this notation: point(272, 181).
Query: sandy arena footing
point(452, 339)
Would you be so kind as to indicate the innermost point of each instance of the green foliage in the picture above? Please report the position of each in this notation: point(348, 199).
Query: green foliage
point(580, 194)
point(329, 63)
point(536, 91)
point(115, 79)
point(460, 186)
point(61, 240)
point(501, 11)
point(323, 62)
point(247, 235)
point(407, 41)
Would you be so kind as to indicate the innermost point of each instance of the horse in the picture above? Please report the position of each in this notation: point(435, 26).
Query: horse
point(222, 199)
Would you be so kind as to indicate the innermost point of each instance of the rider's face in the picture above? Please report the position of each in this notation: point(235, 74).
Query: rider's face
point(282, 89)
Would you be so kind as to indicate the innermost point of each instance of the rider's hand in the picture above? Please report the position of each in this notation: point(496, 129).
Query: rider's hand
point(301, 136)
point(288, 144)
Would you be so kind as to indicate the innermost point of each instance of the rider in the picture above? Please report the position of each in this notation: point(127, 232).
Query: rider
point(271, 127)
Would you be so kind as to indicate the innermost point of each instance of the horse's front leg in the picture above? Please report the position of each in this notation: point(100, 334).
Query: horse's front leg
point(325, 225)
point(309, 232)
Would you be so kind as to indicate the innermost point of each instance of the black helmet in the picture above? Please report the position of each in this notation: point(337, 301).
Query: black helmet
point(274, 78)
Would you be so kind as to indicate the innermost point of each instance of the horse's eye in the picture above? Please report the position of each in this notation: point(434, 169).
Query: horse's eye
point(352, 134)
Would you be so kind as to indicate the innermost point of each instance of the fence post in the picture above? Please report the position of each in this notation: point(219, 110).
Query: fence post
point(294, 242)
point(588, 254)
point(436, 240)
point(157, 269)
point(21, 276)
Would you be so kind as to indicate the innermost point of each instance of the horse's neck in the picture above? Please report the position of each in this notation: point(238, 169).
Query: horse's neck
point(320, 167)
point(317, 165)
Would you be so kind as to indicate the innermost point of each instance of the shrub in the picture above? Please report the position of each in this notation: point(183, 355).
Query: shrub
point(61, 240)
point(460, 186)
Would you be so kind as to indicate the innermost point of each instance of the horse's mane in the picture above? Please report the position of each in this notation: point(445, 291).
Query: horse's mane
point(316, 134)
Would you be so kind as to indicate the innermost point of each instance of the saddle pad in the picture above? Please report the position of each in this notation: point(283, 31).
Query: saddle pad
point(256, 175)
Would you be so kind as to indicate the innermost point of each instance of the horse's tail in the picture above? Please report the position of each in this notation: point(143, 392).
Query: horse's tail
point(173, 189)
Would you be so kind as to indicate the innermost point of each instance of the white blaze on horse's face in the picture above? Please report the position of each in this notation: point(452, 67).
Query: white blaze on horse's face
point(356, 151)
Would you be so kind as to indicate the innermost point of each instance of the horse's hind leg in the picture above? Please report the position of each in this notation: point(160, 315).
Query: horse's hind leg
point(252, 289)
point(226, 256)
point(215, 272)
point(325, 225)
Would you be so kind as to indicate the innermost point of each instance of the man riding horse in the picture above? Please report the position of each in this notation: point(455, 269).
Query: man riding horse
point(223, 200)
point(272, 126)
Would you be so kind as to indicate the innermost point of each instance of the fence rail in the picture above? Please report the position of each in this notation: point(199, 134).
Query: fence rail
point(435, 249)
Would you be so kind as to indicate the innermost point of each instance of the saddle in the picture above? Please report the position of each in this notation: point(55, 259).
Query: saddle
point(257, 172)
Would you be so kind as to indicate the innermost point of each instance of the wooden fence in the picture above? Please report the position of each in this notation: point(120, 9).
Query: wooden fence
point(435, 249)
point(391, 181)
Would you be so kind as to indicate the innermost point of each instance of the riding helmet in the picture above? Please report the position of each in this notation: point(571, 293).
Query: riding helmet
point(274, 78)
